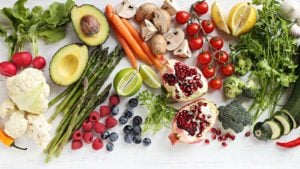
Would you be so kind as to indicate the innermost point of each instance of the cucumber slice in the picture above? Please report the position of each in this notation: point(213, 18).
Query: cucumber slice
point(276, 127)
point(285, 122)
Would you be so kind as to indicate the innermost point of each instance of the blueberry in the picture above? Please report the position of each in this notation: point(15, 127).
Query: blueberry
point(123, 120)
point(137, 120)
point(127, 129)
point(128, 138)
point(113, 136)
point(137, 139)
point(146, 141)
point(137, 130)
point(109, 146)
point(105, 135)
point(133, 102)
point(128, 113)
point(115, 110)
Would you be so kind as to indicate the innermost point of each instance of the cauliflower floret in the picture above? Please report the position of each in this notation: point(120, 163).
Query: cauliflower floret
point(29, 90)
point(39, 129)
point(16, 125)
point(6, 108)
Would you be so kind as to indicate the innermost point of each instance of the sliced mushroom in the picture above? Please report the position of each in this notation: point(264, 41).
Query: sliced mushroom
point(174, 38)
point(145, 11)
point(148, 30)
point(162, 20)
point(126, 9)
point(170, 6)
point(183, 51)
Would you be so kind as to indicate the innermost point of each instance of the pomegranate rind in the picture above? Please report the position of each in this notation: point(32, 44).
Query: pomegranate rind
point(181, 135)
point(169, 68)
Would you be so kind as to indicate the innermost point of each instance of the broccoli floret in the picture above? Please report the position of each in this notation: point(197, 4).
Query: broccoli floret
point(251, 89)
point(242, 64)
point(233, 86)
point(234, 116)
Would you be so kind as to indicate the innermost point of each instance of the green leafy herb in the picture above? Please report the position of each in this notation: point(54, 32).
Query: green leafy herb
point(25, 25)
point(160, 114)
point(272, 51)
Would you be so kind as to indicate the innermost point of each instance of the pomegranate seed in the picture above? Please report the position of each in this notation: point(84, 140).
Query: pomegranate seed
point(232, 137)
point(213, 130)
point(218, 132)
point(206, 141)
point(224, 144)
point(247, 134)
point(220, 138)
point(213, 136)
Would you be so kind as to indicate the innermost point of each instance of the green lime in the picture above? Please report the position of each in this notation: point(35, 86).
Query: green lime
point(127, 82)
point(149, 76)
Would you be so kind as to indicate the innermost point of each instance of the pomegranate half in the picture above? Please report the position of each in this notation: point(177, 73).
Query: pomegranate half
point(193, 121)
point(184, 83)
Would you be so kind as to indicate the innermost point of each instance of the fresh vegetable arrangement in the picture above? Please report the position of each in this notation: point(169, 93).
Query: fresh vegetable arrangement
point(259, 68)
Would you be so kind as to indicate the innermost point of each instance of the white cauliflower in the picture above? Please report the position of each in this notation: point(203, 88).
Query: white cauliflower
point(16, 125)
point(39, 129)
point(6, 108)
point(29, 90)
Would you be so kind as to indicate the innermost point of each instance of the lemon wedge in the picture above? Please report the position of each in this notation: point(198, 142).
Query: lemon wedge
point(218, 17)
point(242, 18)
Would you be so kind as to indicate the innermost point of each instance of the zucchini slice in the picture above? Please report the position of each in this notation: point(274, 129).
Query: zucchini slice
point(285, 122)
point(268, 130)
point(293, 121)
point(276, 127)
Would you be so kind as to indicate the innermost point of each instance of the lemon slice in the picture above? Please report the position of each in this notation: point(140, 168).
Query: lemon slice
point(150, 77)
point(242, 18)
point(127, 82)
point(218, 17)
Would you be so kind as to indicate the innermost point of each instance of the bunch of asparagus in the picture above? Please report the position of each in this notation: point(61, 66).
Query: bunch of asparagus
point(82, 97)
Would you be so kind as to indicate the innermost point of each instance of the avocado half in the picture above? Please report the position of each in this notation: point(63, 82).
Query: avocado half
point(90, 24)
point(68, 64)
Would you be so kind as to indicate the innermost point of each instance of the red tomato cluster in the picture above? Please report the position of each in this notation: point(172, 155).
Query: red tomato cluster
point(198, 30)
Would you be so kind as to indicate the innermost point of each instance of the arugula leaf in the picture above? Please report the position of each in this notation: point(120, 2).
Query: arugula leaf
point(54, 35)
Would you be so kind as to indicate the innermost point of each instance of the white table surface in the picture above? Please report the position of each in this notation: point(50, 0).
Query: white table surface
point(241, 154)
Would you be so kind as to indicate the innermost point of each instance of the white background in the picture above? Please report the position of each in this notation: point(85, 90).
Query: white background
point(242, 153)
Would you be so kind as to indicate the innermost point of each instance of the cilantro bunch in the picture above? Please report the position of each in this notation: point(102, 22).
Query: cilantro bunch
point(20, 24)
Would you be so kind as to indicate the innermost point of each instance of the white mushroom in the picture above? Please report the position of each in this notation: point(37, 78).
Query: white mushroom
point(174, 38)
point(183, 51)
point(148, 30)
point(170, 6)
point(158, 44)
point(145, 11)
point(289, 10)
point(162, 20)
point(126, 9)
point(295, 31)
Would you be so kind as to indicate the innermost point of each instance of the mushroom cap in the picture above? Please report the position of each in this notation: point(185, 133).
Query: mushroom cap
point(126, 9)
point(162, 20)
point(145, 11)
point(158, 44)
point(170, 6)
point(174, 38)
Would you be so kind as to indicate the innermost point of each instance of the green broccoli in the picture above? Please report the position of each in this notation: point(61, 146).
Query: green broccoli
point(233, 86)
point(242, 64)
point(251, 89)
point(234, 116)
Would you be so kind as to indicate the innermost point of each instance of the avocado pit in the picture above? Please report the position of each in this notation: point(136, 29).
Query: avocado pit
point(89, 25)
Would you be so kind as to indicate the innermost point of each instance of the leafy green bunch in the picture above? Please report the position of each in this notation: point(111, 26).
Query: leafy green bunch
point(20, 24)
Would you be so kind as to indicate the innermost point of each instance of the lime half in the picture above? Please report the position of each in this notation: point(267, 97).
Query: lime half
point(127, 82)
point(150, 77)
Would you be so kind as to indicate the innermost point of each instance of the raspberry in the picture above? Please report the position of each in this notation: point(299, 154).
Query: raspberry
point(110, 122)
point(114, 100)
point(77, 135)
point(76, 144)
point(97, 144)
point(88, 137)
point(87, 125)
point(99, 127)
point(104, 111)
point(94, 116)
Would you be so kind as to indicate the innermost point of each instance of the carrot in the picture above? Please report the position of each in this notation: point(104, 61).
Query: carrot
point(109, 11)
point(142, 43)
point(8, 141)
point(127, 50)
point(122, 29)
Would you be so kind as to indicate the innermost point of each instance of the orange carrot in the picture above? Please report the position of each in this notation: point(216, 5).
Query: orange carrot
point(109, 11)
point(142, 43)
point(121, 28)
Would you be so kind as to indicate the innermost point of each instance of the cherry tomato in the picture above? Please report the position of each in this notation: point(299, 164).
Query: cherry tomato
point(221, 56)
point(195, 43)
point(215, 83)
point(201, 7)
point(182, 17)
point(193, 29)
point(204, 58)
point(208, 26)
point(216, 42)
point(227, 69)
point(208, 71)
